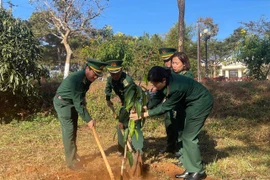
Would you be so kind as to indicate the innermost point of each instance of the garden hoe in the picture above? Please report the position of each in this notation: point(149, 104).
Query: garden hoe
point(102, 153)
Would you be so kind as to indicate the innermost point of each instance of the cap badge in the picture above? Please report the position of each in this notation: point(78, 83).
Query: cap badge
point(113, 64)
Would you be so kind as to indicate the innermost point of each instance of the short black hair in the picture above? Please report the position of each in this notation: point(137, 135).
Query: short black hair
point(158, 73)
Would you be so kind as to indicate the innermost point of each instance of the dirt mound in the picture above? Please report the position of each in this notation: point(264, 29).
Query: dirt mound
point(95, 169)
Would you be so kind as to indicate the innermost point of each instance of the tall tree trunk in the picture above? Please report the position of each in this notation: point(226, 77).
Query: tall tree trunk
point(214, 66)
point(69, 53)
point(181, 24)
point(59, 56)
point(198, 53)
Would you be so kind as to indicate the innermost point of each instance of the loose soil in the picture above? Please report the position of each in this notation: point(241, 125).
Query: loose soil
point(47, 166)
point(95, 169)
point(156, 167)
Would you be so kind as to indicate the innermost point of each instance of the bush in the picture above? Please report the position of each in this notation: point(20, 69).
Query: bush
point(19, 54)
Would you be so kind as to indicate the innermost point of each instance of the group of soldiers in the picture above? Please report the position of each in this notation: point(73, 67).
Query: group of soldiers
point(184, 102)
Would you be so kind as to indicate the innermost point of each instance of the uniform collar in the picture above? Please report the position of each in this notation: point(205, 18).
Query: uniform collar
point(183, 72)
point(166, 89)
point(85, 80)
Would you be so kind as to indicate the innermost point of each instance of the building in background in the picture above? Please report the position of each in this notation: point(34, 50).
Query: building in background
point(233, 70)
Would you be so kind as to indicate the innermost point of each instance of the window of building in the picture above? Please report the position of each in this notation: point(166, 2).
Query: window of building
point(233, 73)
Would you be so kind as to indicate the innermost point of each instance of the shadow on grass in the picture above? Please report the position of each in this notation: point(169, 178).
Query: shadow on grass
point(111, 150)
point(208, 151)
point(152, 147)
point(248, 100)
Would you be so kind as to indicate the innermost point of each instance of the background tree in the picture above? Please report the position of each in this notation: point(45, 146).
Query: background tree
point(171, 40)
point(98, 37)
point(212, 30)
point(254, 51)
point(51, 45)
point(19, 54)
point(219, 52)
point(138, 53)
point(108, 46)
point(146, 55)
point(68, 17)
point(208, 23)
point(53, 49)
point(181, 24)
point(259, 28)
point(224, 51)
point(251, 45)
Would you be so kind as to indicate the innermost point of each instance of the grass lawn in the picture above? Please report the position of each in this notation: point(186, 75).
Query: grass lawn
point(234, 141)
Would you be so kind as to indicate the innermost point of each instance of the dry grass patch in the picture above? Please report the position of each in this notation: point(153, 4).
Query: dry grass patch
point(234, 142)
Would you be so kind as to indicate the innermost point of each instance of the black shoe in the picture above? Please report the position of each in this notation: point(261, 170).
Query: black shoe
point(196, 176)
point(75, 167)
point(179, 163)
point(177, 155)
point(185, 174)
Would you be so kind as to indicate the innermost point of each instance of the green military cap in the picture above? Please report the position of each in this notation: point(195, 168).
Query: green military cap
point(96, 66)
point(114, 66)
point(166, 53)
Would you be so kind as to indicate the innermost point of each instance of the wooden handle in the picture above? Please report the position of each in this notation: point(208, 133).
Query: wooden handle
point(102, 153)
point(123, 163)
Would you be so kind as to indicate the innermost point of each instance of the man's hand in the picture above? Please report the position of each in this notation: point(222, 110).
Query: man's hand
point(144, 109)
point(109, 103)
point(91, 124)
point(120, 125)
point(153, 89)
point(134, 116)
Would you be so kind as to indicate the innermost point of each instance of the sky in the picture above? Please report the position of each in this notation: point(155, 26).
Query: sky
point(136, 17)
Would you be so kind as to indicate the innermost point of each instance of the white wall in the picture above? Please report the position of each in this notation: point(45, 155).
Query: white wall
point(240, 67)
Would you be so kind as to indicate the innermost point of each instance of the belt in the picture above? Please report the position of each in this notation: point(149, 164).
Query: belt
point(62, 99)
point(59, 97)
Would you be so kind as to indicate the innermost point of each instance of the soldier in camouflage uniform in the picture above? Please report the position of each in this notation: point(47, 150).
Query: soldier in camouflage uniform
point(169, 119)
point(181, 66)
point(197, 102)
point(118, 82)
point(69, 101)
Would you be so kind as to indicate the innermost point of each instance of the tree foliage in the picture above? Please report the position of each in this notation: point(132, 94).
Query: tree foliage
point(208, 23)
point(254, 51)
point(260, 27)
point(53, 50)
point(19, 54)
point(254, 47)
point(67, 18)
point(171, 40)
